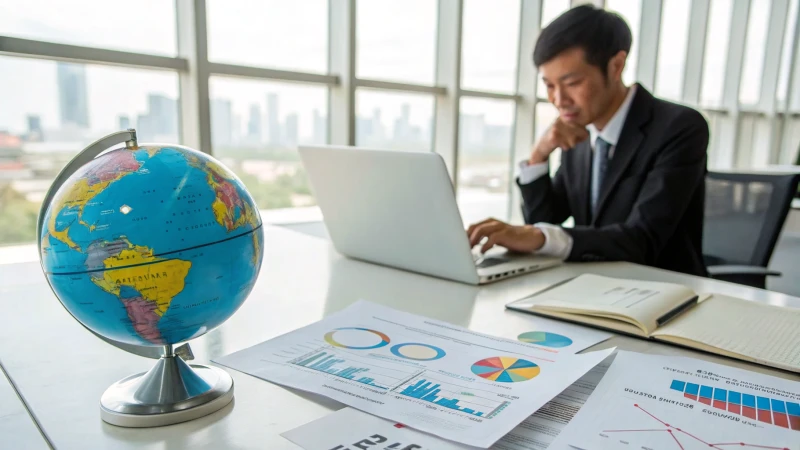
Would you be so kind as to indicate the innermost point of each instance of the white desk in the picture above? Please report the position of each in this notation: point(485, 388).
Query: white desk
point(62, 369)
point(17, 429)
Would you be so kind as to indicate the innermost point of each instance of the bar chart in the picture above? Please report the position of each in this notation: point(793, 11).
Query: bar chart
point(781, 413)
point(359, 369)
point(449, 395)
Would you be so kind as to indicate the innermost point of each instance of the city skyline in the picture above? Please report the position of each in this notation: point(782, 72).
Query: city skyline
point(160, 122)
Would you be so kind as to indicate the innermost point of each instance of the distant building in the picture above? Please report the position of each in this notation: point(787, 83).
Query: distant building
point(254, 124)
point(402, 125)
point(291, 130)
point(124, 122)
point(72, 95)
point(221, 122)
point(273, 123)
point(161, 121)
point(320, 128)
point(8, 140)
point(35, 132)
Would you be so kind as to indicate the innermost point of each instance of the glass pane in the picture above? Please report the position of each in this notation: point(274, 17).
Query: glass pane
point(546, 114)
point(631, 11)
point(786, 54)
point(255, 129)
point(485, 136)
point(716, 53)
point(144, 26)
point(753, 67)
point(394, 121)
point(672, 41)
point(396, 40)
point(490, 40)
point(53, 110)
point(269, 33)
point(552, 9)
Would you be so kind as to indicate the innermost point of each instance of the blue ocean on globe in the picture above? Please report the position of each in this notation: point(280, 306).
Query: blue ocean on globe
point(153, 245)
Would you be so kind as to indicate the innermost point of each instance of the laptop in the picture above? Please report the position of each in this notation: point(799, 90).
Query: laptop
point(398, 209)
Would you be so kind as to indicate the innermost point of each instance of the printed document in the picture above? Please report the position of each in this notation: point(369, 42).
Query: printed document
point(436, 377)
point(678, 403)
point(350, 428)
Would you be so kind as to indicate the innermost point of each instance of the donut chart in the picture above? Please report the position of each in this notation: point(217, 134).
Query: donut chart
point(417, 351)
point(364, 337)
point(545, 339)
point(505, 369)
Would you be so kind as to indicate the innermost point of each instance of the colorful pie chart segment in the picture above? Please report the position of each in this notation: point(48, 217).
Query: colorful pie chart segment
point(505, 369)
point(545, 339)
point(356, 338)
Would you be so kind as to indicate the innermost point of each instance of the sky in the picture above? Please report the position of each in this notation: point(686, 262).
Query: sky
point(395, 41)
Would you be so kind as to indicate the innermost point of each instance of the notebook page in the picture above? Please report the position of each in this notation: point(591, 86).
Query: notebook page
point(642, 301)
point(762, 333)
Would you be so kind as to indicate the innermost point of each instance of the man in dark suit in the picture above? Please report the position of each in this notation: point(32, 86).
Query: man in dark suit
point(632, 167)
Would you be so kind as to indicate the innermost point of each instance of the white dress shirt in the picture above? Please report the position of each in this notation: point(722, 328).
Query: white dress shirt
point(558, 242)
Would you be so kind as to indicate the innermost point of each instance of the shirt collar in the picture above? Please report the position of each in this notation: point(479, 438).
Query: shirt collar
point(613, 128)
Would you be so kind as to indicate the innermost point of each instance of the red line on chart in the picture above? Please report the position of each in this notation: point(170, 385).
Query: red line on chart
point(740, 444)
point(671, 429)
point(620, 431)
point(676, 440)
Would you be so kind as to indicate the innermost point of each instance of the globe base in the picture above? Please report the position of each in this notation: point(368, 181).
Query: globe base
point(171, 392)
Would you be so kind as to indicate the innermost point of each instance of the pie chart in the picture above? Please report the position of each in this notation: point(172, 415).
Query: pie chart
point(545, 339)
point(505, 369)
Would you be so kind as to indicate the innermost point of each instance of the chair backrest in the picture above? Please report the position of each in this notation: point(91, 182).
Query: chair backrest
point(744, 215)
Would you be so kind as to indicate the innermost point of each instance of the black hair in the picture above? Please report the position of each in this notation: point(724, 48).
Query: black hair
point(601, 35)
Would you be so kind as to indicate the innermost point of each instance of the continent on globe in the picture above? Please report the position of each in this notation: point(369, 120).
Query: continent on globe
point(144, 283)
point(230, 209)
point(92, 182)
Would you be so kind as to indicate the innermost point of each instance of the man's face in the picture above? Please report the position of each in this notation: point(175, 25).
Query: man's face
point(578, 89)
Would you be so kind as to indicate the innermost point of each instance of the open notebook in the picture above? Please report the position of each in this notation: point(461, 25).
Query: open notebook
point(727, 326)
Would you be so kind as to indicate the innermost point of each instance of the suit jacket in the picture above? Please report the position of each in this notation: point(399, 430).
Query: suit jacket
point(651, 203)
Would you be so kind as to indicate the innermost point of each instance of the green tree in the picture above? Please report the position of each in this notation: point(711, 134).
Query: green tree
point(17, 217)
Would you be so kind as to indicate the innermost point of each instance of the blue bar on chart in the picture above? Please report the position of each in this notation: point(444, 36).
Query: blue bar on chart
point(327, 363)
point(427, 391)
point(763, 409)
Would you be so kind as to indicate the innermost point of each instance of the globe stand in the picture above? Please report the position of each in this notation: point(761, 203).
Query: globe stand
point(171, 392)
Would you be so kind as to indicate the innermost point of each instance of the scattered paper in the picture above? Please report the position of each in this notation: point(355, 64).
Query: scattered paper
point(436, 377)
point(677, 403)
point(350, 429)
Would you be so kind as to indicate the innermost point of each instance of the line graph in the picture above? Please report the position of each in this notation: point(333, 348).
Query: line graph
point(687, 439)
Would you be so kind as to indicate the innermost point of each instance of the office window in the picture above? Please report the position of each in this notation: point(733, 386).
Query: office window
point(396, 121)
point(256, 127)
point(144, 26)
point(485, 135)
point(754, 49)
point(490, 45)
point(552, 9)
point(396, 40)
point(631, 11)
point(786, 54)
point(546, 114)
point(289, 35)
point(716, 52)
point(672, 42)
point(53, 110)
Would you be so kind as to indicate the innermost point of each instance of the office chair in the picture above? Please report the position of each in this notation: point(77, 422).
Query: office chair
point(744, 215)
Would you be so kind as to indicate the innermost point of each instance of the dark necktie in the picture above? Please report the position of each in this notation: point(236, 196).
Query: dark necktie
point(599, 166)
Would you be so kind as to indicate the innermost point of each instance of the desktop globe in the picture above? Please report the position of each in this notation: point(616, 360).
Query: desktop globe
point(151, 245)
